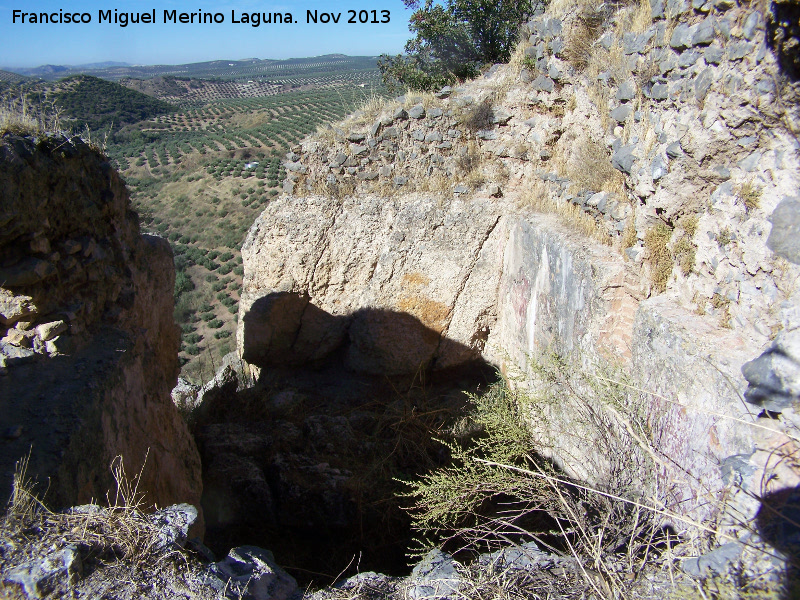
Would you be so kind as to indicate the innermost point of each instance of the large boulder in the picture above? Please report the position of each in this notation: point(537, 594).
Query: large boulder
point(89, 346)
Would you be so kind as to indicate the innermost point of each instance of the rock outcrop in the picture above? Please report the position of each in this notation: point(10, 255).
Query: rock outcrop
point(666, 159)
point(89, 346)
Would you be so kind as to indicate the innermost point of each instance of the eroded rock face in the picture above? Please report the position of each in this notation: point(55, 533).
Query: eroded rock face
point(407, 282)
point(89, 347)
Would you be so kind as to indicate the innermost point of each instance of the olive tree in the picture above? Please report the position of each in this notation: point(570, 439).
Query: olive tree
point(453, 39)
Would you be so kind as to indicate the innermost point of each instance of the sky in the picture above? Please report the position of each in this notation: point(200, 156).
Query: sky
point(30, 45)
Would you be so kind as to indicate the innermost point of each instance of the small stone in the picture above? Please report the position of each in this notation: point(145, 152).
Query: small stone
point(435, 113)
point(358, 150)
point(500, 116)
point(658, 168)
point(704, 34)
point(557, 46)
point(738, 50)
point(677, 7)
point(621, 113)
point(493, 190)
point(657, 9)
point(444, 92)
point(368, 175)
point(750, 163)
point(624, 159)
point(251, 572)
point(674, 150)
point(635, 44)
point(784, 239)
point(40, 245)
point(28, 272)
point(461, 189)
point(13, 432)
point(172, 525)
point(417, 112)
point(543, 83)
point(418, 135)
point(47, 331)
point(400, 113)
point(486, 134)
point(399, 180)
point(71, 246)
point(11, 356)
point(660, 91)
point(723, 172)
point(688, 58)
point(681, 37)
point(14, 307)
point(751, 25)
point(375, 129)
point(606, 40)
point(723, 5)
point(713, 55)
point(433, 136)
point(41, 576)
point(716, 562)
point(702, 84)
point(626, 91)
point(434, 577)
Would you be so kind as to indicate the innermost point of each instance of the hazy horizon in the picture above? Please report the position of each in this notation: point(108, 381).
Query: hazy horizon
point(29, 45)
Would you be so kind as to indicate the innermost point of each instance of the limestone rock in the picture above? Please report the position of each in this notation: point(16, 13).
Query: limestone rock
point(774, 377)
point(41, 576)
point(250, 573)
point(435, 576)
point(102, 390)
point(373, 274)
point(784, 239)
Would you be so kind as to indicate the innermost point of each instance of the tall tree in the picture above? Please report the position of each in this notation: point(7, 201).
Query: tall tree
point(453, 39)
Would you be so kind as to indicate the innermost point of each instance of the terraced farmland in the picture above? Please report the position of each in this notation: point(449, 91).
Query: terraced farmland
point(202, 157)
point(200, 177)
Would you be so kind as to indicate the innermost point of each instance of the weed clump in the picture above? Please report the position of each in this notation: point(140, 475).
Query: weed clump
point(661, 261)
point(499, 488)
point(591, 169)
point(749, 195)
point(479, 116)
point(580, 44)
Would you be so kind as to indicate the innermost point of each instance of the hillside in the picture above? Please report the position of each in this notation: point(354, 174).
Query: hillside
point(97, 104)
point(227, 69)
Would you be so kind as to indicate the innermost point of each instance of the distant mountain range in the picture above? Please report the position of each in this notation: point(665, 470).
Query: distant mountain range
point(226, 69)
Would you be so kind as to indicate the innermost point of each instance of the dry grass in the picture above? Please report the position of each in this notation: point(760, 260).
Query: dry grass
point(479, 116)
point(20, 117)
point(590, 168)
point(581, 42)
point(537, 197)
point(659, 255)
point(120, 531)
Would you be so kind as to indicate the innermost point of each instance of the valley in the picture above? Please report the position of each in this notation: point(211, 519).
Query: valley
point(201, 154)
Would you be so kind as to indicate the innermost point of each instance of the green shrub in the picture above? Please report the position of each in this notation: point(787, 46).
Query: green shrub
point(183, 283)
point(215, 324)
point(225, 333)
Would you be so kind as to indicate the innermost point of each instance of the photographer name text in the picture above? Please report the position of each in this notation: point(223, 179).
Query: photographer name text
point(253, 19)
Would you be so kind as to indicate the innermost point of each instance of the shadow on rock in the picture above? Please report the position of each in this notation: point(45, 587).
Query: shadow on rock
point(778, 523)
point(308, 462)
point(283, 329)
